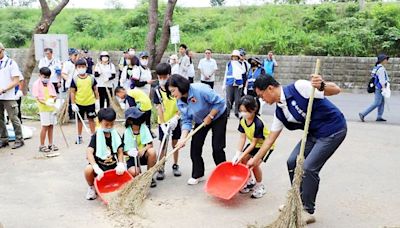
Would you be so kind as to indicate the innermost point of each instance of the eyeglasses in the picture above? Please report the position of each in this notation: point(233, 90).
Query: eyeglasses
point(208, 53)
point(260, 94)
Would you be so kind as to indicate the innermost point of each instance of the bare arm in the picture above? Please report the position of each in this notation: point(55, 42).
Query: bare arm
point(266, 146)
point(90, 156)
point(330, 87)
point(242, 141)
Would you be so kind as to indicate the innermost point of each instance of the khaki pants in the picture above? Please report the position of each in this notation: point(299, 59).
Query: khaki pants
point(12, 110)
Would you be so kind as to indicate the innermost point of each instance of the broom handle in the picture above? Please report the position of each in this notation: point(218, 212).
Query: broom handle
point(308, 115)
point(190, 135)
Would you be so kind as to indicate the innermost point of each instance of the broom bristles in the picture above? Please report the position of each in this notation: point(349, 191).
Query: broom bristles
point(131, 197)
point(115, 105)
point(62, 116)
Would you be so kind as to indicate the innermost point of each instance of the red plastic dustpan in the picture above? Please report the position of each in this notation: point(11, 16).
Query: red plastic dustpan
point(110, 183)
point(226, 180)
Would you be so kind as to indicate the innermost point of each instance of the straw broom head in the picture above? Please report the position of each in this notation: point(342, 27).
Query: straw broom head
point(291, 213)
point(115, 105)
point(62, 115)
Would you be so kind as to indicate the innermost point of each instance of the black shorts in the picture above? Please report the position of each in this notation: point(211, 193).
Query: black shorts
point(90, 111)
point(132, 161)
point(176, 133)
point(255, 151)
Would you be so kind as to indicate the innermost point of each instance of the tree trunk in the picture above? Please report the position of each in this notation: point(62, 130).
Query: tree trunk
point(48, 17)
point(153, 26)
point(157, 51)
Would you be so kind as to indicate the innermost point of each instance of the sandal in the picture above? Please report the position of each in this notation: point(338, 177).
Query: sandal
point(44, 149)
point(53, 147)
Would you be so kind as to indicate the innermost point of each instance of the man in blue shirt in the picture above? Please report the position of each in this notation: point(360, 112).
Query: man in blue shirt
point(199, 103)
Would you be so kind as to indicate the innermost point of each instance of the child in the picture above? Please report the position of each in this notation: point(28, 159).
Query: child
point(137, 141)
point(83, 97)
point(251, 127)
point(105, 73)
point(45, 93)
point(105, 151)
point(167, 110)
point(136, 98)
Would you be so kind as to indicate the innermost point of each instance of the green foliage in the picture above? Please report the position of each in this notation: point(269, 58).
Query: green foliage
point(338, 29)
point(217, 2)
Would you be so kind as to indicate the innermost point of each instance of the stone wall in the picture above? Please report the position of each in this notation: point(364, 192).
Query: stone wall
point(350, 73)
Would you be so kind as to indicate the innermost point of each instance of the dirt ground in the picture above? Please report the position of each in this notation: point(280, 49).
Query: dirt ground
point(359, 186)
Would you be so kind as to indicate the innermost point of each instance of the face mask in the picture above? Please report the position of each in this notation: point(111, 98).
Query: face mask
point(244, 114)
point(107, 130)
point(132, 53)
point(82, 71)
point(128, 62)
point(144, 62)
point(120, 100)
point(45, 80)
point(104, 59)
point(162, 82)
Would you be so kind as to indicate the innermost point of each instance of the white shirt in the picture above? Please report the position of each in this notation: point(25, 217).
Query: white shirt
point(207, 68)
point(304, 88)
point(8, 70)
point(52, 64)
point(191, 71)
point(174, 69)
point(126, 76)
point(68, 69)
point(105, 71)
point(184, 64)
point(143, 76)
point(382, 75)
point(237, 70)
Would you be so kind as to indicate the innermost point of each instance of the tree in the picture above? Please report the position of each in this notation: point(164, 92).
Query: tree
point(217, 2)
point(47, 18)
point(156, 52)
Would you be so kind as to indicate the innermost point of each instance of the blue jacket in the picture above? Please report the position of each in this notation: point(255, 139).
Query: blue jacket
point(326, 118)
point(251, 77)
point(201, 100)
point(230, 79)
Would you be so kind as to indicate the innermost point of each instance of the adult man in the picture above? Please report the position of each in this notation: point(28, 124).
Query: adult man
point(207, 67)
point(68, 72)
point(89, 61)
point(270, 64)
point(246, 67)
point(326, 132)
point(9, 79)
point(184, 61)
point(54, 65)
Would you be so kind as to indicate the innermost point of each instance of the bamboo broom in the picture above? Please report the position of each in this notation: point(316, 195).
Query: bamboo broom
point(130, 198)
point(62, 115)
point(115, 105)
point(290, 216)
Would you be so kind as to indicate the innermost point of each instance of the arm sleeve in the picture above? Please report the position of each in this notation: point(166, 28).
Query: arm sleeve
point(92, 142)
point(41, 64)
point(259, 129)
point(73, 85)
point(138, 83)
point(276, 125)
point(381, 77)
point(240, 128)
point(156, 99)
point(304, 88)
point(215, 65)
point(131, 101)
point(15, 72)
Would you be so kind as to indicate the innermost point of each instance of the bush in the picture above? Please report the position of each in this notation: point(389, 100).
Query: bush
point(81, 22)
point(15, 33)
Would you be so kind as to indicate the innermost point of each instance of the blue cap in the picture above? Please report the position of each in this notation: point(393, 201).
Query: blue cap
point(382, 57)
point(143, 53)
point(73, 51)
point(133, 113)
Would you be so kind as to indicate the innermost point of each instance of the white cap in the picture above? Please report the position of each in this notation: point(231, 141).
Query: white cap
point(235, 53)
point(2, 46)
point(104, 53)
point(173, 57)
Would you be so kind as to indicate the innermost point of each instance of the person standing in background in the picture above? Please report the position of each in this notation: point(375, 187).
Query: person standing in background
point(89, 61)
point(208, 67)
point(191, 71)
point(68, 72)
point(270, 64)
point(174, 62)
point(54, 65)
point(131, 68)
point(246, 67)
point(104, 72)
point(184, 61)
point(143, 80)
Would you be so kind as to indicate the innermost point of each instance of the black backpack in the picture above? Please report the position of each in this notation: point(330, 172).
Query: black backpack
point(371, 85)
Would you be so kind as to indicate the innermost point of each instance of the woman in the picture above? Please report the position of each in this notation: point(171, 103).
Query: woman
point(198, 103)
point(381, 84)
point(326, 132)
point(131, 68)
point(104, 72)
point(143, 79)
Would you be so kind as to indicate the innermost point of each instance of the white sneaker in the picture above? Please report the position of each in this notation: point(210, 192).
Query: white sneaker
point(258, 191)
point(307, 218)
point(194, 181)
point(249, 186)
point(91, 193)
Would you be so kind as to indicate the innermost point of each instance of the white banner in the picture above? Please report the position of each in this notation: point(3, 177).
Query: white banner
point(175, 37)
point(57, 42)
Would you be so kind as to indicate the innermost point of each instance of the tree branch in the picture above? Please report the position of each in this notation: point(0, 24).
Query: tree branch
point(59, 7)
point(45, 8)
point(153, 26)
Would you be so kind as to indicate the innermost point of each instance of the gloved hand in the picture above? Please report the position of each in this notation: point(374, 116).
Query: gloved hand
point(173, 123)
point(74, 107)
point(19, 94)
point(97, 105)
point(235, 159)
point(120, 169)
point(164, 128)
point(98, 171)
point(50, 102)
point(133, 152)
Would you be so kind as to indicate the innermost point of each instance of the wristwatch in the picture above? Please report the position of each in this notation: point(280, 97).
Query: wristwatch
point(322, 87)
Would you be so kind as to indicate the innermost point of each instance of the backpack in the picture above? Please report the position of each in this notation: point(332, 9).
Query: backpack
point(371, 82)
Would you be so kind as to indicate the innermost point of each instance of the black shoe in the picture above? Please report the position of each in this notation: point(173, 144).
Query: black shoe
point(380, 120)
point(153, 183)
point(361, 117)
point(3, 144)
point(17, 144)
point(175, 170)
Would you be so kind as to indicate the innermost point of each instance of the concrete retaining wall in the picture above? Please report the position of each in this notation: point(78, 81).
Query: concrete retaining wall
point(348, 72)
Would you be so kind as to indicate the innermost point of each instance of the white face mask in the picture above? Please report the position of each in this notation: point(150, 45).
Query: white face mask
point(162, 82)
point(144, 62)
point(244, 114)
point(104, 59)
point(82, 71)
point(132, 53)
point(128, 62)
